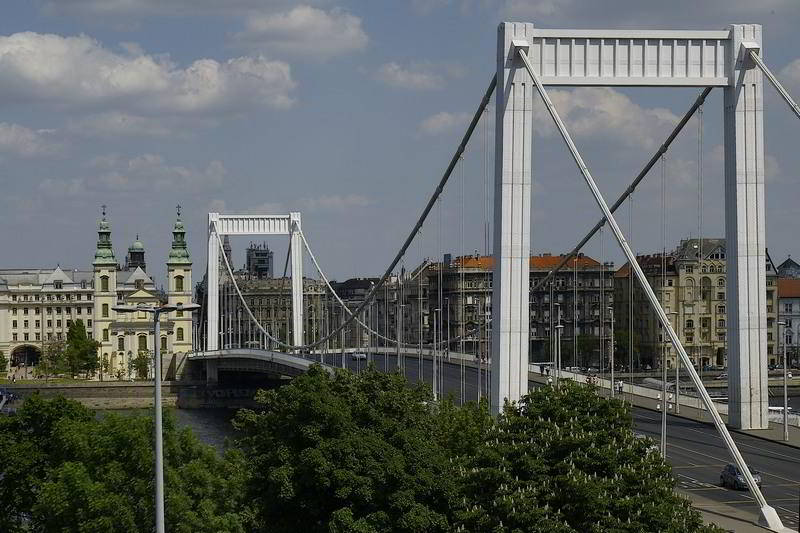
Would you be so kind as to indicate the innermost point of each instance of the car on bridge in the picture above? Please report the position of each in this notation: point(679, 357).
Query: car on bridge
point(359, 356)
point(732, 477)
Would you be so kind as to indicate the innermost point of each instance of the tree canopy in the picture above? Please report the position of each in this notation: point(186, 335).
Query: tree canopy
point(63, 469)
point(346, 453)
point(80, 352)
point(368, 453)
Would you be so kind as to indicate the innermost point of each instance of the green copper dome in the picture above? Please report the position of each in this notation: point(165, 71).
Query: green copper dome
point(179, 253)
point(104, 253)
point(137, 246)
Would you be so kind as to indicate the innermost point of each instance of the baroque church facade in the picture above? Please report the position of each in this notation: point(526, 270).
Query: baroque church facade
point(37, 307)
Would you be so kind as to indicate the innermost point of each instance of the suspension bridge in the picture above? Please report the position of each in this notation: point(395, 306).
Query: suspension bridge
point(529, 60)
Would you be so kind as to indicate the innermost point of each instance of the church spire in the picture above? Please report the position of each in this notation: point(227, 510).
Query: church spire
point(179, 253)
point(104, 254)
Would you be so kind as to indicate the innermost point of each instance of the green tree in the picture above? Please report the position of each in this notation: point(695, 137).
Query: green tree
point(3, 362)
point(66, 470)
point(347, 453)
point(80, 353)
point(53, 360)
point(566, 459)
point(141, 364)
point(622, 343)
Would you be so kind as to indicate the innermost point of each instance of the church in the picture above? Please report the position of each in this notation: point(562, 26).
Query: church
point(37, 306)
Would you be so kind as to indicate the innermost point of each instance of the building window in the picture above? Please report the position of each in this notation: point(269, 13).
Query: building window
point(14, 337)
point(13, 323)
point(720, 309)
point(179, 334)
point(105, 335)
point(38, 337)
point(83, 284)
point(13, 297)
point(24, 310)
point(689, 323)
point(104, 283)
point(38, 323)
point(720, 323)
point(14, 311)
point(25, 324)
point(89, 322)
point(49, 323)
point(57, 285)
point(721, 282)
point(179, 314)
point(25, 335)
point(58, 323)
point(163, 343)
point(58, 310)
point(121, 344)
point(139, 284)
point(179, 283)
point(143, 342)
point(105, 310)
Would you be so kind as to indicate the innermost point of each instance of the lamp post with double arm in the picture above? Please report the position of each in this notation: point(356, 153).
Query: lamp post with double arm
point(159, 443)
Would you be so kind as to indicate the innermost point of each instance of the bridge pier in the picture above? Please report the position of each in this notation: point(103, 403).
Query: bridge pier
point(745, 234)
point(212, 373)
point(514, 98)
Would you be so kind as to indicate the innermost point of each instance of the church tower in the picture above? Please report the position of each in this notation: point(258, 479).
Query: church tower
point(179, 279)
point(135, 256)
point(105, 292)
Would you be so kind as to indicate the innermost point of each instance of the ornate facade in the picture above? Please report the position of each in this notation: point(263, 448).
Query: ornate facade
point(38, 306)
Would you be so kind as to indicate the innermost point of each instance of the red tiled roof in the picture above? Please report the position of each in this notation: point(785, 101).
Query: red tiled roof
point(486, 262)
point(788, 288)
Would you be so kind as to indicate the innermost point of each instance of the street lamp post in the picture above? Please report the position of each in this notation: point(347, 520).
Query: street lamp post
point(159, 438)
point(559, 328)
point(785, 387)
point(611, 351)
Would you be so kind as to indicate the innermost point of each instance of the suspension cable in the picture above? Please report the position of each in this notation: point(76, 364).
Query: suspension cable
point(632, 187)
point(420, 221)
point(775, 83)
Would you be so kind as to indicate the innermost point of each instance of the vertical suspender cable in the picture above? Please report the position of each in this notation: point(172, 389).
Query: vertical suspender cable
point(630, 303)
point(767, 511)
point(661, 342)
point(460, 319)
point(602, 306)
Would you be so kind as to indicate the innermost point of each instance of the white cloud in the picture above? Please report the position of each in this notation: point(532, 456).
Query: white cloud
point(149, 173)
point(79, 72)
point(25, 142)
point(415, 77)
point(603, 112)
point(790, 74)
point(267, 208)
point(443, 122)
point(60, 188)
point(335, 202)
point(534, 8)
point(119, 123)
point(304, 30)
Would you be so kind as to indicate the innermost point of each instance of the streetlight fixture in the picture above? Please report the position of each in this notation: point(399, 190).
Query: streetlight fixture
point(159, 444)
point(785, 387)
point(611, 351)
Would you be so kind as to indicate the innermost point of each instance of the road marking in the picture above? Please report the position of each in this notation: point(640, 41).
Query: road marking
point(718, 459)
point(743, 444)
point(699, 466)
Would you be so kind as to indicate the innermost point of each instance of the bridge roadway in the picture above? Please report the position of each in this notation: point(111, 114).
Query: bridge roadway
point(693, 449)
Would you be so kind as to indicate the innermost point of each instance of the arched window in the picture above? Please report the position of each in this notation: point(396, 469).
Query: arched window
point(721, 323)
point(142, 342)
point(179, 283)
point(690, 323)
point(721, 282)
point(105, 310)
point(179, 334)
point(103, 283)
point(121, 343)
point(164, 343)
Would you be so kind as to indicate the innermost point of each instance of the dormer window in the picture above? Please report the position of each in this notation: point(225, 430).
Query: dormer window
point(57, 284)
point(140, 284)
point(83, 284)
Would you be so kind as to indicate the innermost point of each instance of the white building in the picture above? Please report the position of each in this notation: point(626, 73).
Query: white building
point(789, 312)
point(39, 305)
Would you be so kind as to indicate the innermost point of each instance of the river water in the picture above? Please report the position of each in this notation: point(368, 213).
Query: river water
point(211, 426)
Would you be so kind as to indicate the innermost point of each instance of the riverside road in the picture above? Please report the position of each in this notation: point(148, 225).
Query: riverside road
point(694, 449)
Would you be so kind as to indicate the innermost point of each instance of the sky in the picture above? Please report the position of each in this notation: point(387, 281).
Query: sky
point(348, 112)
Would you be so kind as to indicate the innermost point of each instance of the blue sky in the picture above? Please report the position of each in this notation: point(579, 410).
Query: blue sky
point(345, 111)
